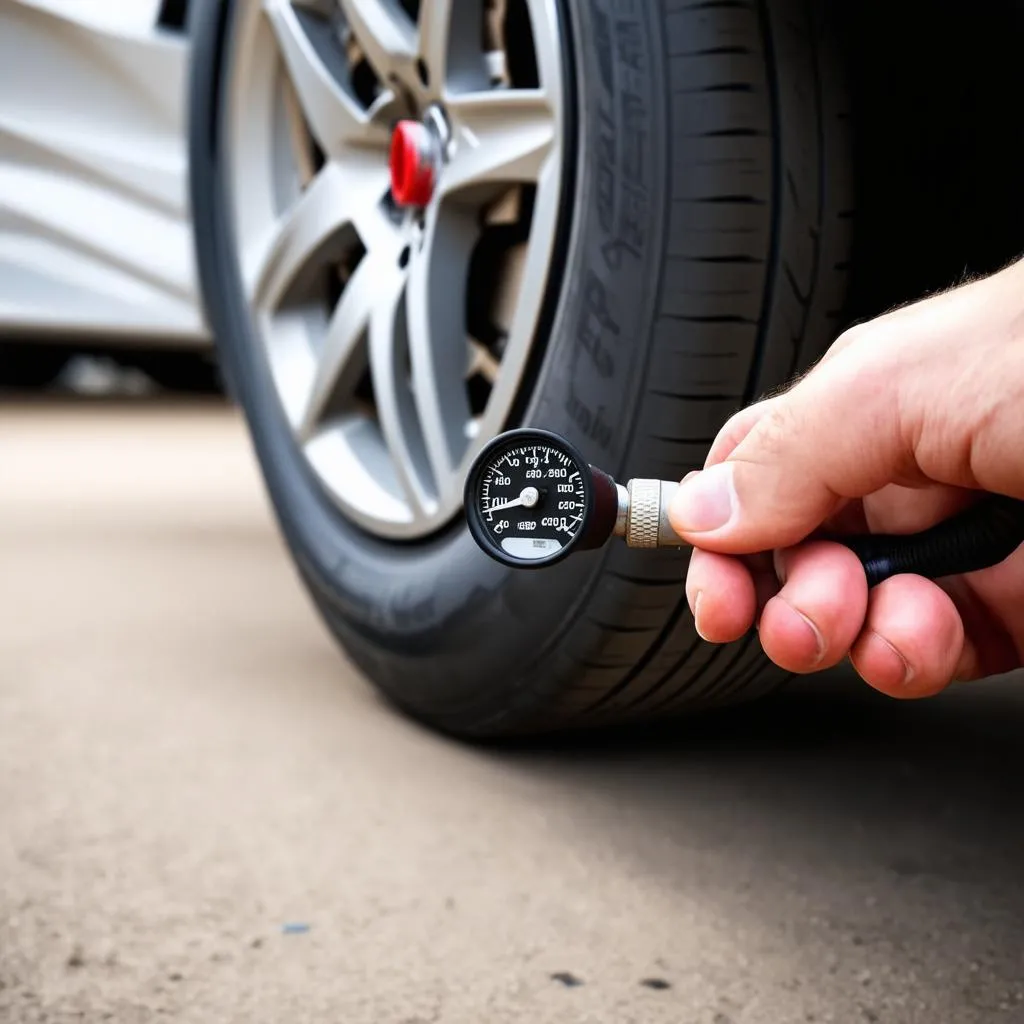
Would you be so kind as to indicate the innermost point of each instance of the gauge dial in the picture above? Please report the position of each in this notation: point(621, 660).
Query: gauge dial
point(529, 498)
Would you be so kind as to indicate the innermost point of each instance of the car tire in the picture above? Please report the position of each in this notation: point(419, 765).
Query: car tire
point(701, 260)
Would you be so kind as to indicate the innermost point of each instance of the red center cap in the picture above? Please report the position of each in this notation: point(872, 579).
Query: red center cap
point(413, 163)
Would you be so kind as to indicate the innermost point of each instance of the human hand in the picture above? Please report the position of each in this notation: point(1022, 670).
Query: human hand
point(903, 421)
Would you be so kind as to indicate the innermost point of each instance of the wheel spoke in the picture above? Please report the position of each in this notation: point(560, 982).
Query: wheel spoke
point(435, 22)
point(396, 409)
point(525, 275)
point(449, 43)
point(385, 34)
point(437, 338)
point(503, 136)
point(317, 70)
point(337, 369)
point(303, 237)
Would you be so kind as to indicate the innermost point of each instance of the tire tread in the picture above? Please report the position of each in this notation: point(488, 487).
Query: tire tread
point(775, 261)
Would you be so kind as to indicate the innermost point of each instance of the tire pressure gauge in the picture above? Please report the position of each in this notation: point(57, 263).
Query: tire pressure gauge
point(532, 499)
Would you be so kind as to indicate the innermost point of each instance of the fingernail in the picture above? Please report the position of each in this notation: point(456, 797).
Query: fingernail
point(706, 501)
point(696, 615)
point(819, 640)
point(899, 665)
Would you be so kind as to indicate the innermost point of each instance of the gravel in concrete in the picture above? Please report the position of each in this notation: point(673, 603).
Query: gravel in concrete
point(207, 816)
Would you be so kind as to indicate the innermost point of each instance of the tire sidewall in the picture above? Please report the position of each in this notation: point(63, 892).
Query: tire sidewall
point(446, 632)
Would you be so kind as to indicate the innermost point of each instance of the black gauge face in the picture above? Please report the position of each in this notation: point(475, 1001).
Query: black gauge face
point(528, 497)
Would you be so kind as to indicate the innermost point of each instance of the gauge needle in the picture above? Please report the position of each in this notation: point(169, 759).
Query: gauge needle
point(508, 504)
point(527, 499)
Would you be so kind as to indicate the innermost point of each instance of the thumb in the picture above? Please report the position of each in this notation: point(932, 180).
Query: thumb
point(836, 435)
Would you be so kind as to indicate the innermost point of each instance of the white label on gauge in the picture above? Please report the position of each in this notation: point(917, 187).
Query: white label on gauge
point(530, 547)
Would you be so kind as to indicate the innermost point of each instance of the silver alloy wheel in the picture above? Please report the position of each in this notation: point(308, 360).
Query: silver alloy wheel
point(362, 305)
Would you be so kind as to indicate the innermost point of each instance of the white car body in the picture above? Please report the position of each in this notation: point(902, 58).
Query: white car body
point(95, 233)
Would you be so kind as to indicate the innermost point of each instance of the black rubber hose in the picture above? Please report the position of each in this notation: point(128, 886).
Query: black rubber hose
point(982, 536)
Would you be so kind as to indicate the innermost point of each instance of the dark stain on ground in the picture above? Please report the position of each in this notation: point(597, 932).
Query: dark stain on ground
point(567, 979)
point(658, 984)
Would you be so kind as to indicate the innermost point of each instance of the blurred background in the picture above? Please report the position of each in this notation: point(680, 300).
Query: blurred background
point(233, 787)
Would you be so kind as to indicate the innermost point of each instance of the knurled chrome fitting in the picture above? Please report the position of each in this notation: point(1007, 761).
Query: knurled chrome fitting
point(647, 523)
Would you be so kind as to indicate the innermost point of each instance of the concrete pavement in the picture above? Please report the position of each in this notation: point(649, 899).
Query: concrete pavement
point(207, 817)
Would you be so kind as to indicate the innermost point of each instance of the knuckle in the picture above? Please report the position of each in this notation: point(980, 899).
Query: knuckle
point(853, 336)
point(774, 434)
point(734, 432)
